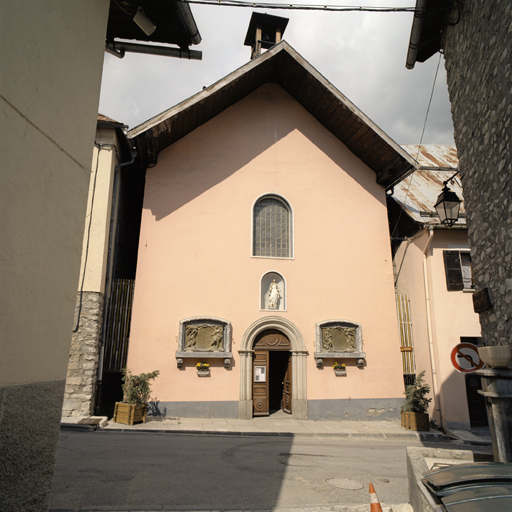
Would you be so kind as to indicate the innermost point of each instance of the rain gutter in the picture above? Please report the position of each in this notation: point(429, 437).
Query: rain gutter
point(416, 31)
point(188, 21)
point(118, 49)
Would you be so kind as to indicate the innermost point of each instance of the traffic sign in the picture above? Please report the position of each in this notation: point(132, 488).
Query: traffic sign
point(465, 358)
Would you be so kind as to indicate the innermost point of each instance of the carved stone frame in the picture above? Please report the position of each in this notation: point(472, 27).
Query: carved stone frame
point(225, 354)
point(321, 353)
point(299, 373)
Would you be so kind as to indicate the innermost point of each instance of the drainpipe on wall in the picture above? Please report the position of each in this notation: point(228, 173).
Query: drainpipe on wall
point(431, 348)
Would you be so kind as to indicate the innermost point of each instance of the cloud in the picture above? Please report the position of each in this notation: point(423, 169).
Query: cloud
point(362, 54)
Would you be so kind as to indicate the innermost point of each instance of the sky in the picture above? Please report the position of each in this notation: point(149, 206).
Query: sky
point(361, 54)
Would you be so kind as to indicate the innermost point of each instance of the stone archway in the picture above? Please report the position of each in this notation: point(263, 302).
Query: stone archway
point(299, 353)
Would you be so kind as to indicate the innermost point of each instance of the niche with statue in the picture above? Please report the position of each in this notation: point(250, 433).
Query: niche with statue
point(273, 292)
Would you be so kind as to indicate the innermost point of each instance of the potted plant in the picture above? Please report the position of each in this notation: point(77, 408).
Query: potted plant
point(136, 395)
point(414, 409)
point(340, 369)
point(203, 369)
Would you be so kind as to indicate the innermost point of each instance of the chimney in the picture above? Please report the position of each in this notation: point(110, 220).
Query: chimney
point(264, 32)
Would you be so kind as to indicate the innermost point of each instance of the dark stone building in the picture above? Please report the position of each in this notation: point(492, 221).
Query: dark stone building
point(476, 38)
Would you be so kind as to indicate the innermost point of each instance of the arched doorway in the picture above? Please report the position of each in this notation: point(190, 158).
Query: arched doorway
point(297, 363)
point(272, 372)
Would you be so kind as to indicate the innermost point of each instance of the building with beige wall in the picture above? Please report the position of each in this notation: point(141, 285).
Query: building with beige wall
point(268, 176)
point(52, 56)
point(100, 230)
point(434, 284)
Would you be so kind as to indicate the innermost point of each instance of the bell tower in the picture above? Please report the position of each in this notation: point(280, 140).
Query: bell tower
point(264, 32)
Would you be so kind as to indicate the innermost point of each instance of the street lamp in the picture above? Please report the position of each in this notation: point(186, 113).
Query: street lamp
point(448, 205)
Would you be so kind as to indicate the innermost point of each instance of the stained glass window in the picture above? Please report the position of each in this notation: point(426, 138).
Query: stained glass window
point(272, 228)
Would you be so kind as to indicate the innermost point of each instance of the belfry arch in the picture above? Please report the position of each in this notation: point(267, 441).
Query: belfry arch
point(298, 355)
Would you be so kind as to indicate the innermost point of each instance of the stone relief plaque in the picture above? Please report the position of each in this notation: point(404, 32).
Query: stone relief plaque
point(339, 339)
point(204, 338)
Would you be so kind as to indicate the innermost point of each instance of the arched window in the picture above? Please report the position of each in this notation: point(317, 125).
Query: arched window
point(272, 228)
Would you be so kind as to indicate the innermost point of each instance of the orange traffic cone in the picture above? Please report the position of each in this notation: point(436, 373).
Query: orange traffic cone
point(374, 501)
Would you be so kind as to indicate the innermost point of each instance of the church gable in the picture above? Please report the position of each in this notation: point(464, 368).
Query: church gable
point(266, 139)
point(283, 66)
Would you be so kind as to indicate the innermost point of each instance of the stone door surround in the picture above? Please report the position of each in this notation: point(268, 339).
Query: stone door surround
point(299, 353)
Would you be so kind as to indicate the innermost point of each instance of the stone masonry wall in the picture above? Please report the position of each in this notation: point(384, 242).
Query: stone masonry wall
point(478, 56)
point(84, 357)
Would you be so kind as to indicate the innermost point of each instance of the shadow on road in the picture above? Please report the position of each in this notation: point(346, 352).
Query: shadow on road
point(144, 471)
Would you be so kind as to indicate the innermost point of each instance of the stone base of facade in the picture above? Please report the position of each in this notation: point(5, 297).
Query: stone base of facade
point(196, 409)
point(30, 418)
point(84, 356)
point(358, 410)
point(245, 409)
point(364, 409)
point(458, 425)
point(300, 409)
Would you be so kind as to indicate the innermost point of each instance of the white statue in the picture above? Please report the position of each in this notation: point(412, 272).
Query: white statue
point(273, 294)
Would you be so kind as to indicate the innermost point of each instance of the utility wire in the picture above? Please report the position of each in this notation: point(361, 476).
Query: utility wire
point(419, 145)
point(301, 7)
point(428, 108)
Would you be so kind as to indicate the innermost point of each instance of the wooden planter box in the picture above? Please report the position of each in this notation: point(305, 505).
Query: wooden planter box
point(130, 413)
point(415, 420)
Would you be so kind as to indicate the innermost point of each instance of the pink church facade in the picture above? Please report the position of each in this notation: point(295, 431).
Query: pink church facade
point(264, 251)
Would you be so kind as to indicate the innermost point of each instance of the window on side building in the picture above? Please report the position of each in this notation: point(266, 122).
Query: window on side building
point(458, 269)
point(272, 228)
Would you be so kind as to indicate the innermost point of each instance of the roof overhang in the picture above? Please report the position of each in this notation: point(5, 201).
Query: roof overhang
point(417, 195)
point(284, 66)
point(108, 122)
point(429, 22)
point(173, 19)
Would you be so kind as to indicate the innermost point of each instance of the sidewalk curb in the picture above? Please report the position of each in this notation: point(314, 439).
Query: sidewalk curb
point(73, 427)
point(100, 424)
point(377, 435)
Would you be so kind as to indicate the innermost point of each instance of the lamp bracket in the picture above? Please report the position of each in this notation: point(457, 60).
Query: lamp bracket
point(450, 179)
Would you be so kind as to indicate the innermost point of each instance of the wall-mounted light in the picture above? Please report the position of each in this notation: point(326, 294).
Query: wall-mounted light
point(146, 25)
point(447, 206)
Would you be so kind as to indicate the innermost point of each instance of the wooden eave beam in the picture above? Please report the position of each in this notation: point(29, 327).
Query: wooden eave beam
point(283, 66)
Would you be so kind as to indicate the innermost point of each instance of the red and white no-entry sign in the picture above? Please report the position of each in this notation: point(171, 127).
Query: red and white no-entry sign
point(465, 358)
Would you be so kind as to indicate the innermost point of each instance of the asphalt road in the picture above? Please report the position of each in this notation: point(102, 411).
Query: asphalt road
point(144, 471)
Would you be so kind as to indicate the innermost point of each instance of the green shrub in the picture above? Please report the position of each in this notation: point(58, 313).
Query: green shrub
point(415, 395)
point(136, 388)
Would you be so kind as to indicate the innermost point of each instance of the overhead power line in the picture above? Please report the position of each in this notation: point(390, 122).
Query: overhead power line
point(301, 7)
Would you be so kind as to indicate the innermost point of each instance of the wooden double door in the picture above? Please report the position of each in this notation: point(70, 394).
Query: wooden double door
point(272, 373)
